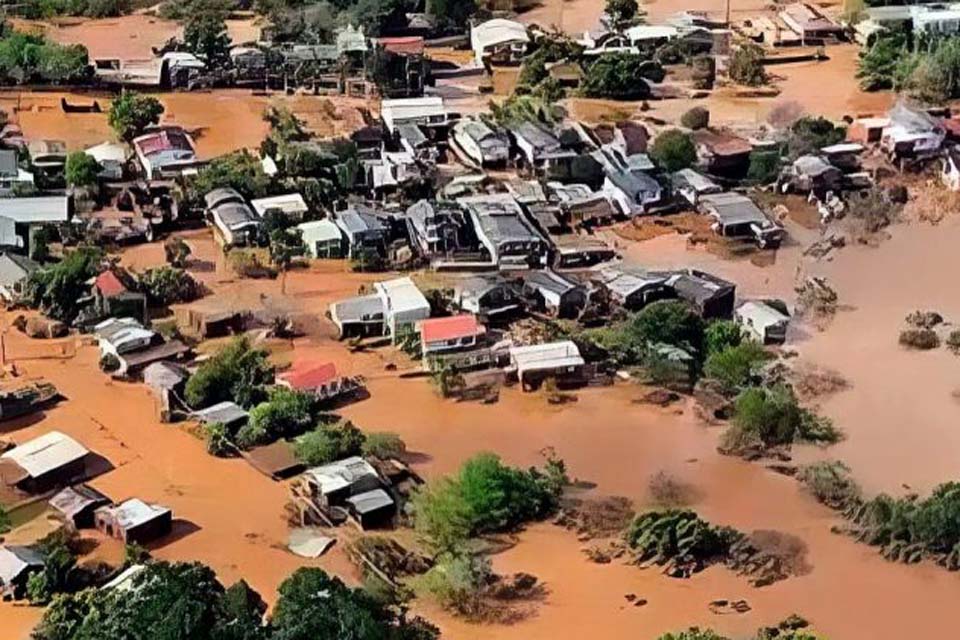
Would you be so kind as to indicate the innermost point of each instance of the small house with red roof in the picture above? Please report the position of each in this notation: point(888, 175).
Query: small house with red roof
point(455, 341)
point(320, 379)
point(112, 298)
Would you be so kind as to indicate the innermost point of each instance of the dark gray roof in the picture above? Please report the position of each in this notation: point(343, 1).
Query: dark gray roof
point(8, 163)
point(538, 137)
point(733, 208)
point(549, 281)
point(699, 286)
point(14, 268)
point(634, 183)
point(222, 412)
point(370, 501)
point(358, 219)
point(220, 196)
point(412, 134)
point(73, 500)
point(235, 214)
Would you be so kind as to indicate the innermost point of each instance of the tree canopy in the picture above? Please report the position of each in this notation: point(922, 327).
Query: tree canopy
point(57, 289)
point(620, 76)
point(131, 113)
point(81, 170)
point(206, 37)
point(746, 66)
point(237, 372)
point(673, 150)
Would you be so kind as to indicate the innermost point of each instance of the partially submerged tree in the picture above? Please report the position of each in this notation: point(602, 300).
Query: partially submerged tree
point(746, 66)
point(131, 113)
point(673, 150)
point(57, 290)
point(237, 372)
point(206, 37)
point(81, 169)
point(285, 246)
point(620, 76)
point(176, 251)
point(622, 12)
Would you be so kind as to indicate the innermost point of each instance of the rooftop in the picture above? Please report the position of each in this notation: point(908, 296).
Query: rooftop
point(497, 31)
point(46, 453)
point(401, 294)
point(549, 355)
point(305, 376)
point(289, 204)
point(223, 412)
point(135, 512)
point(75, 499)
point(109, 284)
point(36, 209)
point(342, 474)
point(370, 501)
point(451, 328)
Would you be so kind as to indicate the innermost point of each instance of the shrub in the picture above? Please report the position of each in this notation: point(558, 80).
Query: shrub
point(770, 416)
point(679, 537)
point(249, 263)
point(621, 12)
point(808, 135)
point(109, 363)
point(922, 339)
point(764, 167)
point(81, 169)
point(830, 483)
point(164, 286)
point(696, 118)
point(620, 76)
point(673, 150)
point(953, 341)
point(328, 443)
point(735, 367)
point(720, 335)
point(218, 440)
point(669, 322)
point(131, 113)
point(285, 414)
point(746, 66)
point(456, 582)
point(176, 251)
point(236, 372)
point(57, 290)
point(384, 445)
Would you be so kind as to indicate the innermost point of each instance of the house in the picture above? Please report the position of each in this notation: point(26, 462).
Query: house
point(634, 289)
point(950, 169)
point(814, 173)
point(737, 216)
point(134, 521)
point(845, 155)
point(135, 362)
point(13, 179)
point(481, 143)
point(428, 113)
point(77, 505)
point(17, 564)
point(291, 206)
point(763, 321)
point(554, 294)
point(403, 305)
point(371, 509)
point(912, 134)
point(501, 227)
point(331, 484)
point(651, 34)
point(867, 130)
point(165, 153)
point(211, 323)
point(809, 23)
point(319, 379)
point(364, 230)
point(499, 41)
point(535, 363)
point(579, 251)
point(323, 239)
point(581, 206)
point(541, 150)
point(21, 216)
point(112, 159)
point(119, 336)
point(229, 414)
point(692, 185)
point(233, 220)
point(451, 333)
point(14, 271)
point(722, 153)
point(634, 192)
point(434, 227)
point(166, 380)
point(711, 296)
point(360, 316)
point(46, 462)
point(49, 158)
point(111, 298)
point(491, 298)
point(405, 66)
point(277, 460)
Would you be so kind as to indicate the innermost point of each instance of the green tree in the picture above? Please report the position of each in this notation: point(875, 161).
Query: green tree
point(735, 367)
point(451, 15)
point(384, 445)
point(285, 245)
point(720, 335)
point(669, 322)
point(237, 372)
point(746, 66)
point(621, 12)
point(206, 37)
point(808, 135)
point(284, 414)
point(764, 167)
point(240, 170)
point(57, 290)
point(878, 62)
point(328, 443)
point(131, 113)
point(6, 523)
point(164, 286)
point(673, 150)
point(696, 118)
point(82, 170)
point(621, 76)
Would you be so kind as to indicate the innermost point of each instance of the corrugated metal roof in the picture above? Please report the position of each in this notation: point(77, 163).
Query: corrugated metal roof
point(47, 453)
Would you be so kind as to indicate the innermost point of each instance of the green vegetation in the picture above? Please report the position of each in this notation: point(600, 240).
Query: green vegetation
point(764, 167)
point(736, 367)
point(926, 67)
point(383, 444)
point(283, 414)
point(205, 36)
point(46, 9)
point(808, 135)
point(769, 417)
point(219, 442)
point(30, 58)
point(485, 496)
point(456, 581)
point(680, 539)
point(240, 170)
point(285, 245)
point(746, 66)
point(793, 628)
point(451, 15)
point(176, 251)
point(921, 339)
point(81, 170)
point(620, 76)
point(720, 335)
point(673, 150)
point(696, 118)
point(131, 113)
point(164, 286)
point(830, 482)
point(6, 523)
point(667, 322)
point(59, 571)
point(236, 372)
point(328, 443)
point(877, 67)
point(622, 12)
point(57, 289)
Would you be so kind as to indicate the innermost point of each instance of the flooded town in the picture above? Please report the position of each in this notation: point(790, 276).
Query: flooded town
point(479, 320)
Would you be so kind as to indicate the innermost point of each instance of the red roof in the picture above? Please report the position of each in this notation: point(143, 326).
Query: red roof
point(109, 284)
point(462, 326)
point(404, 46)
point(306, 377)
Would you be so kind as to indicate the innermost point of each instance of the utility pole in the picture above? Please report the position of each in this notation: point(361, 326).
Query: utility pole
point(728, 14)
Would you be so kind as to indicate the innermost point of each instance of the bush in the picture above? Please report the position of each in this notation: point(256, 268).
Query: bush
point(109, 363)
point(131, 113)
point(384, 445)
point(285, 414)
point(830, 483)
point(164, 286)
point(328, 443)
point(620, 76)
point(721, 335)
point(58, 289)
point(456, 582)
point(953, 341)
point(735, 367)
point(808, 135)
point(922, 339)
point(30, 58)
point(218, 440)
point(81, 169)
point(764, 167)
point(696, 118)
point(249, 263)
point(236, 372)
point(485, 496)
point(176, 251)
point(680, 538)
point(746, 66)
point(673, 150)
point(770, 417)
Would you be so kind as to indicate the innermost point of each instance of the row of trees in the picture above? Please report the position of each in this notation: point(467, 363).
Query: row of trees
point(31, 58)
point(185, 600)
point(922, 66)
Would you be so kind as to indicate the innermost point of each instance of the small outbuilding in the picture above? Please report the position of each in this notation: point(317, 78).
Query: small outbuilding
point(134, 521)
point(17, 564)
point(371, 509)
point(535, 363)
point(555, 294)
point(47, 462)
point(765, 322)
point(77, 505)
point(499, 41)
point(323, 239)
point(229, 414)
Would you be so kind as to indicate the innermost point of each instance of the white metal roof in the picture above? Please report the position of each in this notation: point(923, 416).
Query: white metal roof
point(320, 231)
point(401, 294)
point(290, 203)
point(124, 581)
point(108, 152)
point(651, 32)
point(397, 111)
point(497, 31)
point(551, 355)
point(369, 501)
point(47, 453)
point(341, 474)
point(36, 210)
point(843, 147)
point(14, 560)
point(761, 314)
point(136, 512)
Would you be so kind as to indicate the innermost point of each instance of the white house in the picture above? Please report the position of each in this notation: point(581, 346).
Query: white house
point(428, 110)
point(536, 362)
point(290, 205)
point(481, 143)
point(762, 321)
point(403, 304)
point(323, 239)
point(499, 40)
